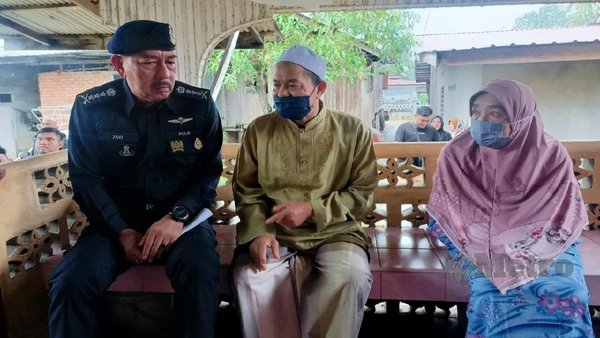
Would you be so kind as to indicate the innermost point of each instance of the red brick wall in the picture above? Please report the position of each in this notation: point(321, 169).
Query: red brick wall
point(58, 91)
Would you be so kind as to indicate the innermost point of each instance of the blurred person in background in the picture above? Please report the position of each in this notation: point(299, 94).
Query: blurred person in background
point(455, 126)
point(3, 157)
point(47, 140)
point(438, 123)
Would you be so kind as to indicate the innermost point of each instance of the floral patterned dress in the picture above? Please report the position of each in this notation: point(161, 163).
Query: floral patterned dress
point(554, 305)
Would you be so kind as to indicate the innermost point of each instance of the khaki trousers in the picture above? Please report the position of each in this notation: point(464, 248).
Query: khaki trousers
point(304, 294)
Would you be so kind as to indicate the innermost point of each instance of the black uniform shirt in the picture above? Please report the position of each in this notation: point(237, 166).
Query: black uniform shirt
point(409, 132)
point(129, 165)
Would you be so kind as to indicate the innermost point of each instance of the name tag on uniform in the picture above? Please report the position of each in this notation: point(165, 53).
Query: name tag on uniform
point(116, 136)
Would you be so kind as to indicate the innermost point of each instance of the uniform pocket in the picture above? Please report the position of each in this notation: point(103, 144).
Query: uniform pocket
point(184, 149)
point(119, 151)
point(184, 142)
point(119, 145)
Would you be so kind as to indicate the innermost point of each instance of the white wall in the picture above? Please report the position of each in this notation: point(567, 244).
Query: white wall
point(459, 83)
point(8, 140)
point(568, 93)
point(21, 83)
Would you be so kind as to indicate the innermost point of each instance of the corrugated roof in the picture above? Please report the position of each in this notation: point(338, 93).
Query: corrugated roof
point(22, 53)
point(422, 71)
point(64, 24)
point(5, 3)
point(477, 40)
point(63, 20)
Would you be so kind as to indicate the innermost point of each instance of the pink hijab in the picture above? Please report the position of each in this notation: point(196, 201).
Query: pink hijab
point(512, 209)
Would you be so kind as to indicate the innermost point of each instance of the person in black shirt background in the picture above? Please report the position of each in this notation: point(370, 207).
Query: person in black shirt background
point(418, 130)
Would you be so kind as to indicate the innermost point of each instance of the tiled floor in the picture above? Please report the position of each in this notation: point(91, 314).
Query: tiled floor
point(378, 324)
point(382, 325)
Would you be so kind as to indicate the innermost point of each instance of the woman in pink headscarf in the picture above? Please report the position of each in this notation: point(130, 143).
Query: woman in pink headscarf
point(506, 203)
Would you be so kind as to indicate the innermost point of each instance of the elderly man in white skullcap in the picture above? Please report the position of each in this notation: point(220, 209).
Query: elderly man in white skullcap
point(304, 177)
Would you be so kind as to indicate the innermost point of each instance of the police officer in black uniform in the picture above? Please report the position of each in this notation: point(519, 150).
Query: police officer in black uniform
point(144, 158)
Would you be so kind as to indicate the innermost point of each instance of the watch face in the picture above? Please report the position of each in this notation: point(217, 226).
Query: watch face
point(180, 213)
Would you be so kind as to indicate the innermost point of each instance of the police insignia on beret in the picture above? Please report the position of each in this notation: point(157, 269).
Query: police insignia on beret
point(138, 35)
point(172, 35)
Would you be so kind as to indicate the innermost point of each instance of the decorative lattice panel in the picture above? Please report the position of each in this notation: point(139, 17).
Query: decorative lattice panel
point(411, 215)
point(375, 217)
point(76, 222)
point(594, 216)
point(400, 173)
point(224, 213)
point(228, 168)
point(416, 215)
point(30, 248)
point(584, 169)
point(53, 184)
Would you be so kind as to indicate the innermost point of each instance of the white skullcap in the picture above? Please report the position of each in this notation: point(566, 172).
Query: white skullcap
point(305, 58)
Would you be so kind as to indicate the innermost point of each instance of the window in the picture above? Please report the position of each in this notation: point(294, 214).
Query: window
point(5, 98)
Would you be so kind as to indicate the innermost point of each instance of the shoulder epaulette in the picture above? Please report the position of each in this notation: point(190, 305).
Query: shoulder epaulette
point(100, 94)
point(185, 90)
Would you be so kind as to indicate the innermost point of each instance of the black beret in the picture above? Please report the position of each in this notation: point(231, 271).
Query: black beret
point(134, 36)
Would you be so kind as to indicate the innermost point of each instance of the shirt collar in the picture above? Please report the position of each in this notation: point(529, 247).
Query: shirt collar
point(129, 100)
point(314, 122)
point(317, 119)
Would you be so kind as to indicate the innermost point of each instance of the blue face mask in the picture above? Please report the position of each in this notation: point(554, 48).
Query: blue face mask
point(293, 107)
point(489, 134)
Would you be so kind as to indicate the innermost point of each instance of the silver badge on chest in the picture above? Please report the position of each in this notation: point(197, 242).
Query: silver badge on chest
point(126, 151)
point(180, 120)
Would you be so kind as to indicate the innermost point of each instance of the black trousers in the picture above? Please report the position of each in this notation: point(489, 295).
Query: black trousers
point(78, 284)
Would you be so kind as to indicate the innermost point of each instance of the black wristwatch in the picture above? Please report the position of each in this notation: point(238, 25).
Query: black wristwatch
point(180, 213)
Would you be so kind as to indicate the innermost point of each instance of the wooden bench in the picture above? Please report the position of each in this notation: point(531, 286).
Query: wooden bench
point(39, 220)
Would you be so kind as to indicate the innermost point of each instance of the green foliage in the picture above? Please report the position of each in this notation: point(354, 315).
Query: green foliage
point(242, 67)
point(422, 99)
point(545, 17)
point(554, 15)
point(585, 14)
point(341, 38)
